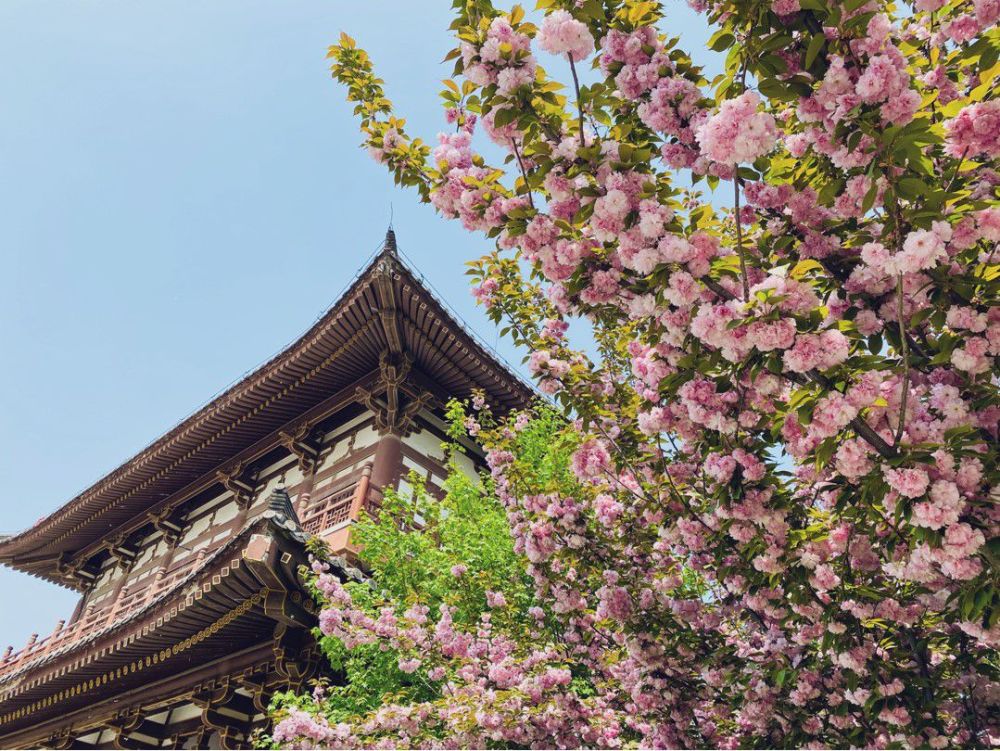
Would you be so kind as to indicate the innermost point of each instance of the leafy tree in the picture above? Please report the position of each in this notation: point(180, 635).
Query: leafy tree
point(793, 405)
point(424, 556)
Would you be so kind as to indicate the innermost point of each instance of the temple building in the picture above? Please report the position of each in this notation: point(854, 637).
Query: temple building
point(192, 611)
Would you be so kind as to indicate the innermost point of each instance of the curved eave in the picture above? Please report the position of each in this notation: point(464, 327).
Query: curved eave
point(228, 591)
point(342, 345)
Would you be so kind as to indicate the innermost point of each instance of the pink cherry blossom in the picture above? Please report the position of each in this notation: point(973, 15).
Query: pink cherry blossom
point(737, 132)
point(561, 34)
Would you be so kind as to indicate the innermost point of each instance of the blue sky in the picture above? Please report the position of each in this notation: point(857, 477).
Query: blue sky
point(181, 194)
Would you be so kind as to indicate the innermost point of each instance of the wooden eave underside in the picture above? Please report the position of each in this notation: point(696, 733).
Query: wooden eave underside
point(343, 345)
point(158, 692)
point(228, 602)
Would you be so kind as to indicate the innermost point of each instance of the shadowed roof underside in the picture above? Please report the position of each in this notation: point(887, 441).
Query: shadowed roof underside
point(387, 309)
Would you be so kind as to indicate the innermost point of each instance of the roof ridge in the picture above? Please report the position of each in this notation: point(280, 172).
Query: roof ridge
point(173, 432)
point(285, 371)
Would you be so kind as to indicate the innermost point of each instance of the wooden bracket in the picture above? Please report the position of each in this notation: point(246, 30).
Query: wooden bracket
point(296, 656)
point(385, 287)
point(130, 723)
point(167, 522)
point(393, 385)
point(221, 710)
point(65, 739)
point(300, 441)
point(75, 571)
point(256, 685)
point(238, 481)
point(123, 548)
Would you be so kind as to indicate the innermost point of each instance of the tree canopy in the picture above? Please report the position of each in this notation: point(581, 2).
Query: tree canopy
point(780, 526)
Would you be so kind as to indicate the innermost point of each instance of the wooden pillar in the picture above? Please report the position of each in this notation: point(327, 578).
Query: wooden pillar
point(241, 481)
point(302, 498)
point(170, 538)
point(123, 563)
point(306, 447)
point(360, 499)
point(387, 464)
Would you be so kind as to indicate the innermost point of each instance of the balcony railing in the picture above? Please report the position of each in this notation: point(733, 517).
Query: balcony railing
point(332, 511)
point(340, 505)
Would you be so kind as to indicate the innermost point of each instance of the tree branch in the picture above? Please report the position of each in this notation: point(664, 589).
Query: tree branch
point(739, 237)
point(579, 104)
point(863, 429)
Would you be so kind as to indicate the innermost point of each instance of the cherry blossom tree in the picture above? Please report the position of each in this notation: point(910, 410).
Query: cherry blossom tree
point(792, 280)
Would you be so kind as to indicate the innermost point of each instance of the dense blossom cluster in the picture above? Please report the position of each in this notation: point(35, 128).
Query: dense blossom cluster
point(561, 34)
point(738, 132)
point(475, 669)
point(785, 528)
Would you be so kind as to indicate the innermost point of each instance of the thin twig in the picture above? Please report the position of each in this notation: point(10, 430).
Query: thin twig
point(906, 359)
point(739, 238)
point(579, 103)
point(903, 339)
point(958, 166)
point(524, 172)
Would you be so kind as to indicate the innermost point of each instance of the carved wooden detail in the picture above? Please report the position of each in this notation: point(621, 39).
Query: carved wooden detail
point(76, 571)
point(394, 398)
point(329, 510)
point(168, 523)
point(224, 711)
point(64, 739)
point(385, 287)
point(303, 442)
point(255, 684)
point(123, 549)
point(238, 480)
point(296, 656)
point(130, 723)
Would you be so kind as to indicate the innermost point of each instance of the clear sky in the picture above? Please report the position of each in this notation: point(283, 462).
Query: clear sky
point(181, 195)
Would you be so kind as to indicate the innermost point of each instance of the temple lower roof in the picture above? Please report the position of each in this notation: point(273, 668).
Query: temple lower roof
point(236, 594)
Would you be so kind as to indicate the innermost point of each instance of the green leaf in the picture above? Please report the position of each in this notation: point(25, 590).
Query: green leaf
point(594, 9)
point(720, 41)
point(815, 46)
point(912, 187)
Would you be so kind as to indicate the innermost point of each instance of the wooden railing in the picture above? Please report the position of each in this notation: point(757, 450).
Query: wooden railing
point(339, 505)
point(334, 510)
point(93, 618)
point(330, 511)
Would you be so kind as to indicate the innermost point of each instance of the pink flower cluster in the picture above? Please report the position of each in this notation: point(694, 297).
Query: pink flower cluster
point(504, 58)
point(817, 352)
point(561, 34)
point(975, 131)
point(778, 516)
point(738, 132)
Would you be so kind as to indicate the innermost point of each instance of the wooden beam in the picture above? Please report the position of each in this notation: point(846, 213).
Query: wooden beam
point(329, 406)
point(99, 713)
point(388, 308)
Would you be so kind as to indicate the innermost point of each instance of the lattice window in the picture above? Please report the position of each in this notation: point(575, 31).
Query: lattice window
point(330, 510)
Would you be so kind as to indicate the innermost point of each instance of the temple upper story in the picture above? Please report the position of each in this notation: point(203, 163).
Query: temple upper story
point(215, 514)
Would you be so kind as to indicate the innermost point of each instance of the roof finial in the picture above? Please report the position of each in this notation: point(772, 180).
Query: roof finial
point(390, 241)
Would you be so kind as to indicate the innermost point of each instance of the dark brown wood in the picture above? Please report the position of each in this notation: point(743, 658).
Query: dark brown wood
point(348, 340)
point(189, 559)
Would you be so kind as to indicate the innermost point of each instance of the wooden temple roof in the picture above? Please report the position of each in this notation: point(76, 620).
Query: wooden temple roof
point(386, 310)
point(235, 594)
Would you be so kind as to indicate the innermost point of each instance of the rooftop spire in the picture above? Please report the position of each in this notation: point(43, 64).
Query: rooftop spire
point(390, 241)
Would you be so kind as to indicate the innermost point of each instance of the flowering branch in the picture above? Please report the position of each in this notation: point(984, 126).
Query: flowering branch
point(772, 591)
